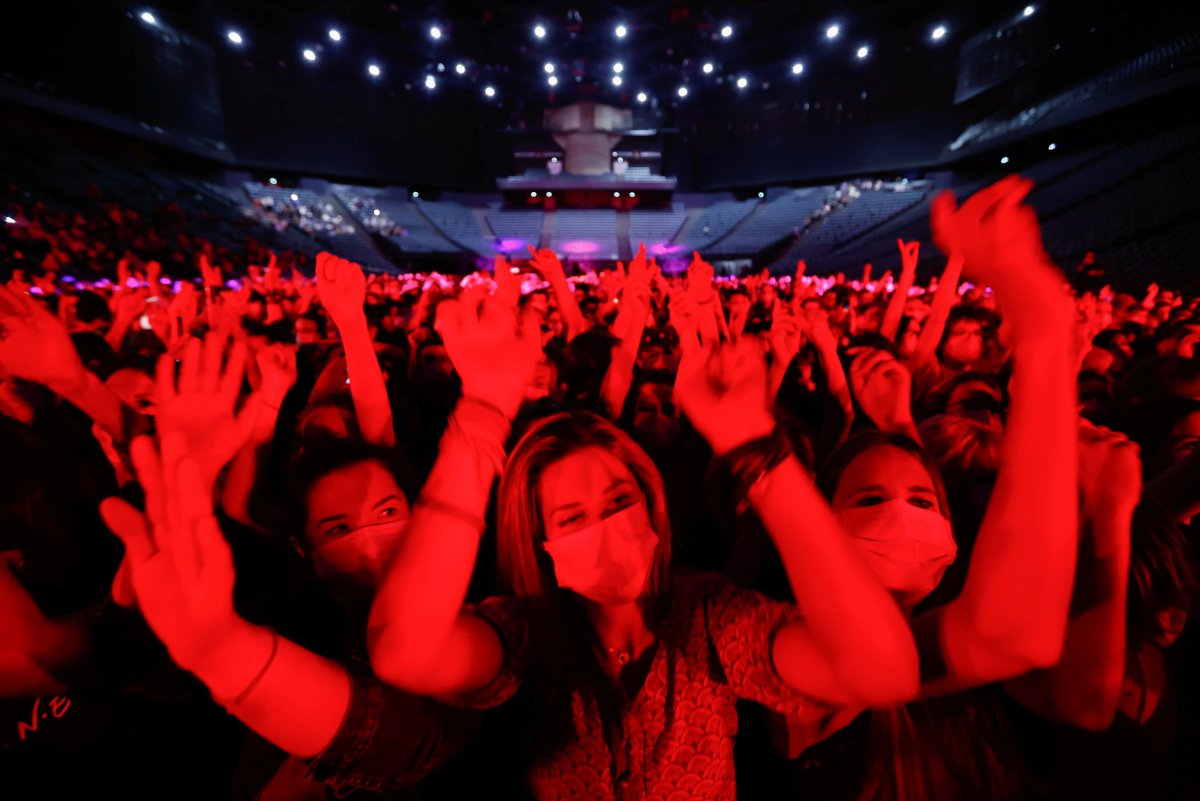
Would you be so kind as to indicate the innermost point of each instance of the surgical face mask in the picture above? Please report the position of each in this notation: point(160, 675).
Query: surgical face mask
point(608, 562)
point(359, 557)
point(908, 548)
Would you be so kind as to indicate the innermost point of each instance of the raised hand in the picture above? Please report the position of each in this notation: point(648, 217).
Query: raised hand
point(700, 279)
point(494, 359)
point(722, 388)
point(508, 284)
point(342, 288)
point(547, 264)
point(684, 318)
point(998, 237)
point(883, 388)
point(211, 275)
point(277, 366)
point(199, 405)
point(176, 558)
point(909, 254)
point(35, 345)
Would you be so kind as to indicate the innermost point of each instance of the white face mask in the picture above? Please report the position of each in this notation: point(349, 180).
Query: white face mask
point(908, 548)
point(360, 556)
point(608, 562)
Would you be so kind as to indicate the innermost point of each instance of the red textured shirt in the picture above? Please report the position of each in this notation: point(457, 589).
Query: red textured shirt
point(714, 647)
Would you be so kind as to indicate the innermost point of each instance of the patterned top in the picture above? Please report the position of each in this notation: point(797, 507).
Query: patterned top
point(713, 647)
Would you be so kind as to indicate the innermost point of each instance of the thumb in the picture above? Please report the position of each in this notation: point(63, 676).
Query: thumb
point(131, 528)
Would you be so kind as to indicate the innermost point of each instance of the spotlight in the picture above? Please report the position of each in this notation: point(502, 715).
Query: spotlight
point(272, 181)
point(416, 194)
point(727, 31)
point(376, 212)
point(1004, 159)
point(335, 34)
point(641, 97)
point(435, 32)
point(430, 82)
point(460, 68)
point(552, 81)
point(742, 83)
point(618, 67)
point(549, 194)
point(294, 197)
point(707, 68)
point(938, 33)
point(863, 52)
point(1052, 146)
point(633, 194)
point(148, 18)
point(797, 68)
point(539, 31)
point(1028, 12)
point(620, 31)
point(309, 54)
point(762, 194)
point(832, 32)
point(9, 220)
point(616, 194)
point(533, 194)
point(682, 91)
point(489, 91)
point(548, 67)
point(616, 80)
point(373, 70)
point(234, 37)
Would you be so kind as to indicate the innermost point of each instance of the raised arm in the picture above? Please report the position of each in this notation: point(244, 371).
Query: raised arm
point(909, 253)
point(939, 311)
point(181, 570)
point(1011, 616)
point(1084, 687)
point(37, 348)
point(277, 366)
point(342, 288)
point(853, 645)
point(550, 268)
point(631, 321)
point(419, 638)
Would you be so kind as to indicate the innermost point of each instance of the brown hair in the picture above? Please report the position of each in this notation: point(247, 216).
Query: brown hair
point(565, 647)
point(863, 441)
point(524, 566)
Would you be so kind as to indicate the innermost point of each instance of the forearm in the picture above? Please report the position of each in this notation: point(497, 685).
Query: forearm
point(895, 308)
point(939, 312)
point(298, 703)
point(847, 612)
point(243, 472)
point(1018, 588)
point(417, 607)
point(1084, 687)
point(116, 332)
point(614, 389)
point(92, 397)
point(367, 387)
point(569, 308)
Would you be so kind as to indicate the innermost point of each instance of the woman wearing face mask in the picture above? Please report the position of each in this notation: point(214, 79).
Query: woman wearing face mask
point(1011, 616)
point(632, 675)
point(322, 711)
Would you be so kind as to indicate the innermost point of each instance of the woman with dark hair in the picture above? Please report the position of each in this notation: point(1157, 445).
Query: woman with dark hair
point(633, 672)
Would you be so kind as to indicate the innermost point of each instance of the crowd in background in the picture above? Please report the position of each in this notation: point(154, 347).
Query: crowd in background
point(272, 528)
